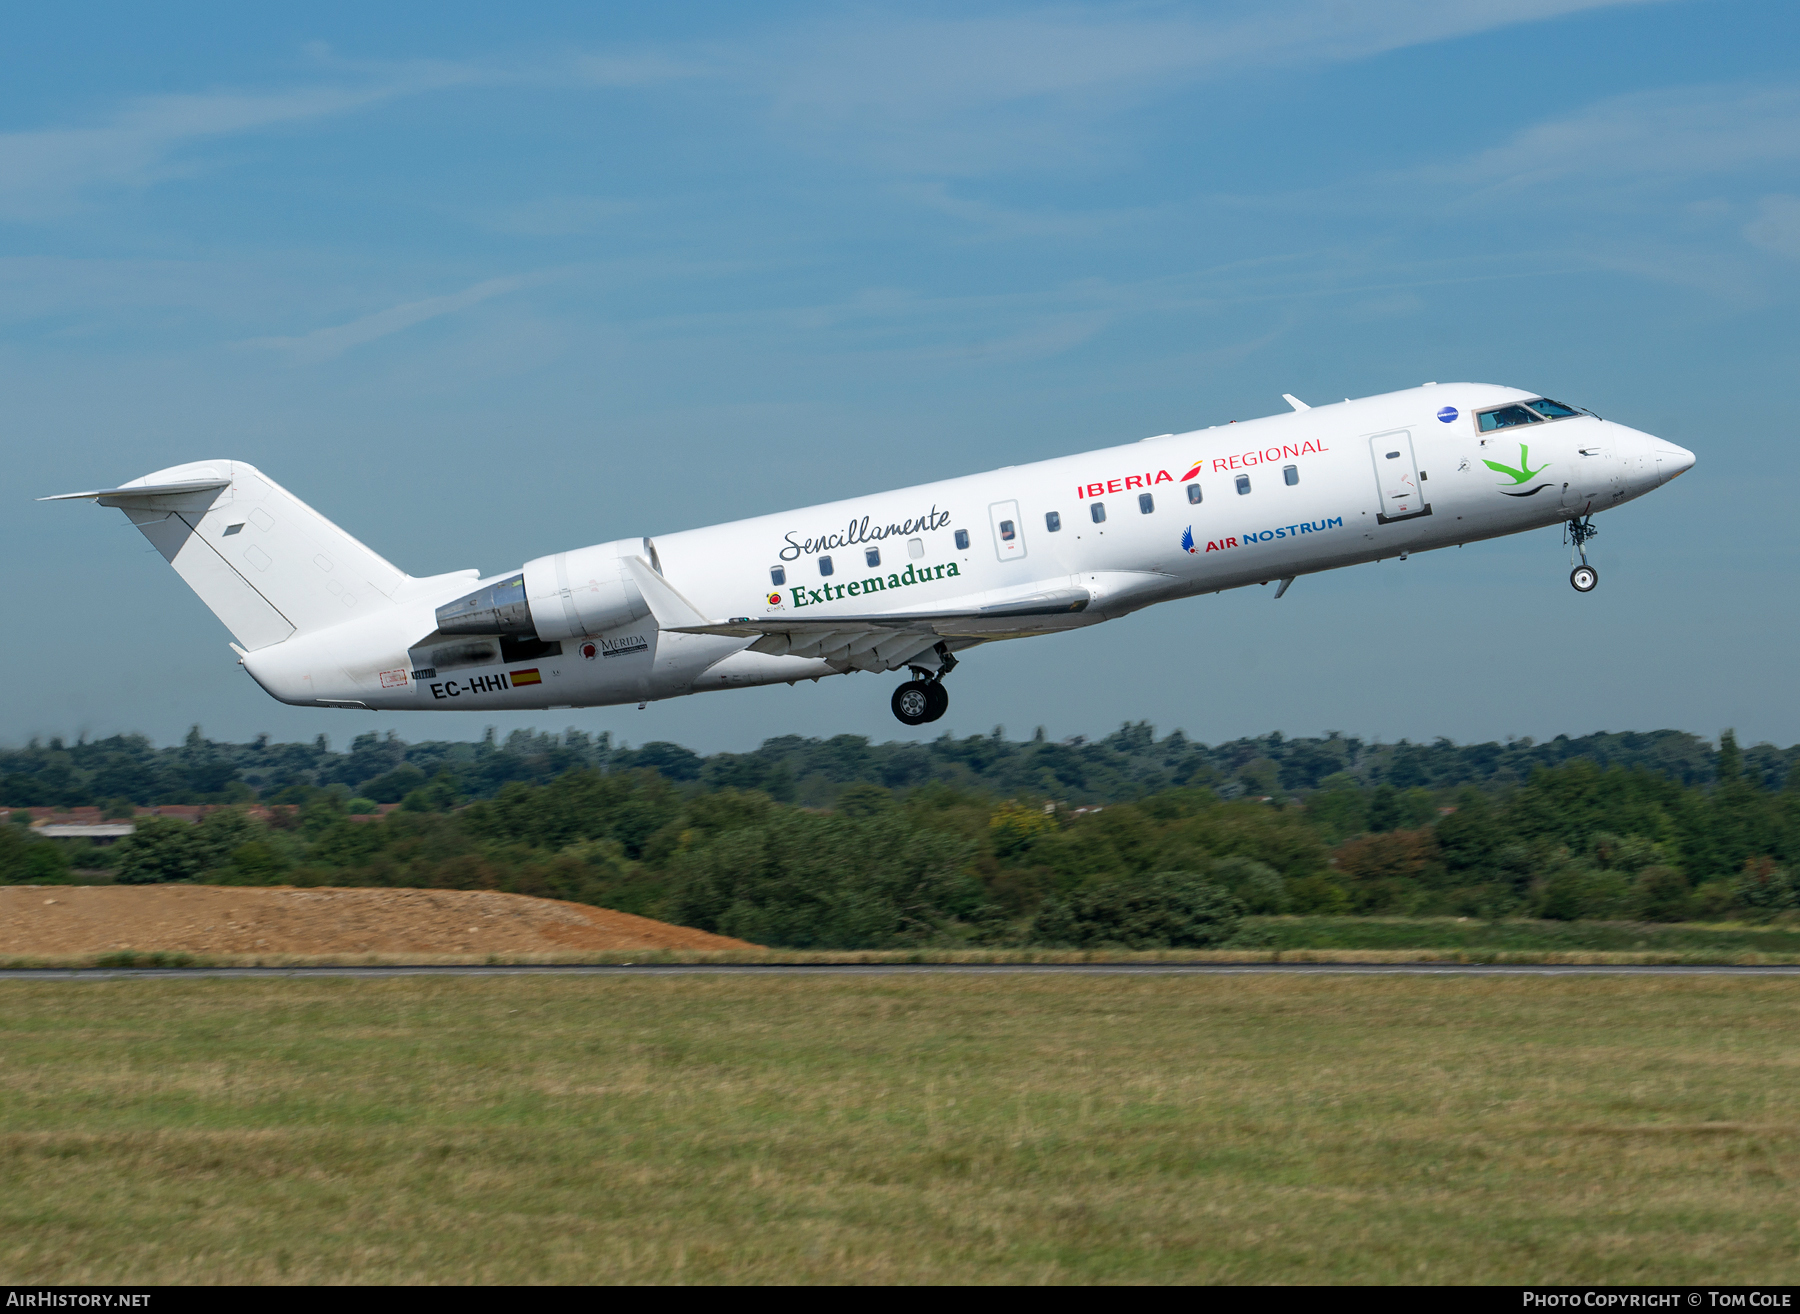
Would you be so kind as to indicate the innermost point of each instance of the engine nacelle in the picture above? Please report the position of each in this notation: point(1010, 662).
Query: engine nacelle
point(565, 596)
point(586, 591)
point(497, 609)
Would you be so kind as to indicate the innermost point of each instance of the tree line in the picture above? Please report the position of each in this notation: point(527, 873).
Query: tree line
point(958, 861)
point(1129, 764)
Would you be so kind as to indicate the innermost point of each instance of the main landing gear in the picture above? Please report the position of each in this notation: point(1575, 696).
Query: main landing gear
point(924, 698)
point(1584, 577)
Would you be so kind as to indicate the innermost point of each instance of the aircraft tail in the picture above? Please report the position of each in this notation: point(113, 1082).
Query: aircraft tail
point(267, 564)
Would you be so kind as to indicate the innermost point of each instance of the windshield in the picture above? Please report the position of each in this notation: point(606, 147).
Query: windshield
point(1506, 417)
point(1553, 410)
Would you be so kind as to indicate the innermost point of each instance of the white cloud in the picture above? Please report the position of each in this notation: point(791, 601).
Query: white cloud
point(326, 343)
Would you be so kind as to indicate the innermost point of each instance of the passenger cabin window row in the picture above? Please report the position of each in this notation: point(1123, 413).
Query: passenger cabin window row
point(1290, 475)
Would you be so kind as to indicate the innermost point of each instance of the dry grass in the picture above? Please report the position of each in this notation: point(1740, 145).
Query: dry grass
point(134, 958)
point(900, 1129)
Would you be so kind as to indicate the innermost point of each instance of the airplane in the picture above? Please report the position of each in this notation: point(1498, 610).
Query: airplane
point(903, 580)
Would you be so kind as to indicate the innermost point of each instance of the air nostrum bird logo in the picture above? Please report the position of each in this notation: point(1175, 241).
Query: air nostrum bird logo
point(1522, 474)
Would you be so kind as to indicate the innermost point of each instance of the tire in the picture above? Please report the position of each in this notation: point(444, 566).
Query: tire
point(912, 703)
point(1584, 578)
point(939, 698)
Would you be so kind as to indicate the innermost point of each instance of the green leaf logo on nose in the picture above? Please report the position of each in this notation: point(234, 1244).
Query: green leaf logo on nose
point(1524, 471)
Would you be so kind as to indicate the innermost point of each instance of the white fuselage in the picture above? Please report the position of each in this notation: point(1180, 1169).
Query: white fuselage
point(1288, 495)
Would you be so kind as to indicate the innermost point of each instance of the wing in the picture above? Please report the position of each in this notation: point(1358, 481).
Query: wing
point(870, 641)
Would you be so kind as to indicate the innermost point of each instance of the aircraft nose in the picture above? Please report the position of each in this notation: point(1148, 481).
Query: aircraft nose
point(1671, 460)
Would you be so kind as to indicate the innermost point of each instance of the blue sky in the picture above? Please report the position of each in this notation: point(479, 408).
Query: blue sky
point(484, 283)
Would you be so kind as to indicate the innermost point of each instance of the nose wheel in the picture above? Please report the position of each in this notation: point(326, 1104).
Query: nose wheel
point(1584, 577)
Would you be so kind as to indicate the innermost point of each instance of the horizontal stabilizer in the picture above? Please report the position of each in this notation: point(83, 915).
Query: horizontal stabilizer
point(140, 492)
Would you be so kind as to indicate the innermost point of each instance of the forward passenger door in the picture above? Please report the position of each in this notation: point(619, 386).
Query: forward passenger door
point(1397, 476)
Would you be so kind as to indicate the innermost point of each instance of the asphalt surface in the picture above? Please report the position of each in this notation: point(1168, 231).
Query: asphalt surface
point(909, 969)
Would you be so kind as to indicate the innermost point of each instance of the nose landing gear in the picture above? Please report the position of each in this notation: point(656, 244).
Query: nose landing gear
point(924, 698)
point(1580, 529)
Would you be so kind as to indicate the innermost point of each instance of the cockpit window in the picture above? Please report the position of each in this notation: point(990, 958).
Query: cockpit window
point(1507, 417)
point(1553, 410)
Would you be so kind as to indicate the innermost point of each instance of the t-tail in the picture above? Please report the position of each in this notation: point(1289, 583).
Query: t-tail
point(267, 564)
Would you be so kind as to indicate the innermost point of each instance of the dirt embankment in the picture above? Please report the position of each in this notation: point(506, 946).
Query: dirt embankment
point(213, 919)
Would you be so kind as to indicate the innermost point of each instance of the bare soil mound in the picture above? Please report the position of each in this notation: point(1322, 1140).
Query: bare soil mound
point(215, 919)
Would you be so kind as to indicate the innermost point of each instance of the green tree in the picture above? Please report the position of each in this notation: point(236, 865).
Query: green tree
point(1169, 910)
point(27, 859)
point(161, 850)
point(826, 881)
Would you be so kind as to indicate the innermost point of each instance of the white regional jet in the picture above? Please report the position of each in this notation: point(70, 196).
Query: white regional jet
point(891, 581)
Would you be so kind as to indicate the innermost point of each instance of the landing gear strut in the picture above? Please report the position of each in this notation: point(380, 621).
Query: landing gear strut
point(1584, 577)
point(924, 698)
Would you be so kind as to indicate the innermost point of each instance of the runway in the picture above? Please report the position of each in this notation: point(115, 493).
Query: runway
point(906, 969)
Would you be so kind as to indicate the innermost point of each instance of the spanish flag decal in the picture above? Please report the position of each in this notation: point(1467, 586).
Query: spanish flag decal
point(525, 677)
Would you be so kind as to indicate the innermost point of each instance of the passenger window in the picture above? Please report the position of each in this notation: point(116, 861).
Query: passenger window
point(1007, 534)
point(777, 575)
point(1053, 521)
point(1146, 504)
point(825, 566)
point(1243, 484)
point(1507, 417)
point(1553, 410)
point(962, 539)
point(873, 556)
point(1290, 475)
point(1194, 494)
point(1098, 511)
point(915, 548)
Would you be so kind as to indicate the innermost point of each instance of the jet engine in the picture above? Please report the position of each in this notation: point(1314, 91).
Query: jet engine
point(564, 596)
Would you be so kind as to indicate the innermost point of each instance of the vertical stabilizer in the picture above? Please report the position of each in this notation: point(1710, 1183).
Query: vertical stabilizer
point(267, 564)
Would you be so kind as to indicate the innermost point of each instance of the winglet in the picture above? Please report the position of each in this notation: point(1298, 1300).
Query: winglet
point(1295, 402)
point(671, 610)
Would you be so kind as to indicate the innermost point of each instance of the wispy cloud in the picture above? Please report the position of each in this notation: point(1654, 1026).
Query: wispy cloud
point(964, 95)
point(47, 172)
point(326, 343)
point(1648, 137)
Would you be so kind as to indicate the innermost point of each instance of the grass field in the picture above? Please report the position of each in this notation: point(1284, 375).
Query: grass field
point(1523, 935)
point(906, 1129)
point(1290, 939)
